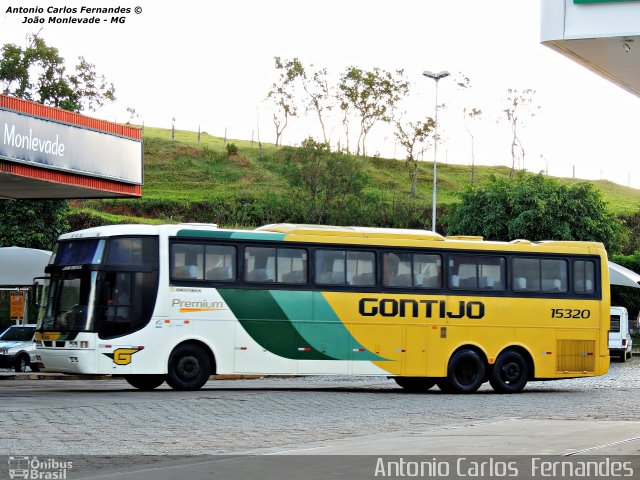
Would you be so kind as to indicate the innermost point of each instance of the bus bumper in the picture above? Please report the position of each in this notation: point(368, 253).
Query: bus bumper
point(65, 361)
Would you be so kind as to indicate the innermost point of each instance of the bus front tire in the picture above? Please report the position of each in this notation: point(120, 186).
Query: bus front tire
point(415, 384)
point(510, 373)
point(466, 373)
point(145, 382)
point(189, 367)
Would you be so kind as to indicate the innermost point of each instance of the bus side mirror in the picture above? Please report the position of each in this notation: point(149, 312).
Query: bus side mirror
point(36, 291)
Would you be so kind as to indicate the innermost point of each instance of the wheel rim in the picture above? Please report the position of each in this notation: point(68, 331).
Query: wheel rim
point(22, 365)
point(466, 372)
point(188, 367)
point(511, 372)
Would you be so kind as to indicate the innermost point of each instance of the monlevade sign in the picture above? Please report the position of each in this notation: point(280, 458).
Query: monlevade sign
point(59, 146)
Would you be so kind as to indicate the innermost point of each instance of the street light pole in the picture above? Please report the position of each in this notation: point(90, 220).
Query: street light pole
point(436, 77)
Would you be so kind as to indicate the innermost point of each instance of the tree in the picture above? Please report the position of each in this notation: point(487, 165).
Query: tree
point(520, 104)
point(32, 223)
point(319, 95)
point(282, 93)
point(371, 95)
point(322, 181)
point(38, 73)
point(411, 135)
point(470, 116)
point(535, 207)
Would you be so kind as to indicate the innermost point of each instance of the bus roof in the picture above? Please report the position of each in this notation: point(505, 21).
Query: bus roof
point(362, 232)
point(336, 234)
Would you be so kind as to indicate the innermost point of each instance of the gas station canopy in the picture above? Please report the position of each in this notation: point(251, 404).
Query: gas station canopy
point(602, 35)
point(47, 152)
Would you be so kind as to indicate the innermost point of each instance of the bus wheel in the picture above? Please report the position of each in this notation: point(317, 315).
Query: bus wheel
point(189, 367)
point(510, 372)
point(145, 382)
point(465, 374)
point(415, 384)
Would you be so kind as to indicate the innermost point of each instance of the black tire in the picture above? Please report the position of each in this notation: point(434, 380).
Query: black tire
point(189, 367)
point(465, 374)
point(510, 373)
point(145, 382)
point(21, 363)
point(623, 356)
point(444, 385)
point(415, 384)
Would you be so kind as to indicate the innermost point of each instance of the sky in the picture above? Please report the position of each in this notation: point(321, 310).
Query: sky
point(211, 64)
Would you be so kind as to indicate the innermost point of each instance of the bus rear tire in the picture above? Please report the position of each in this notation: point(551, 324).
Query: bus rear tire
point(510, 373)
point(189, 367)
point(466, 372)
point(145, 382)
point(415, 384)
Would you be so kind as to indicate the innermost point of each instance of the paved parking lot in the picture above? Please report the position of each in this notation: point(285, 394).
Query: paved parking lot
point(107, 417)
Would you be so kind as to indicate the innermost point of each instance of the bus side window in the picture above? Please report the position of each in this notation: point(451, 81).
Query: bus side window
point(548, 275)
point(220, 263)
point(361, 268)
point(463, 271)
point(292, 265)
point(526, 274)
point(260, 264)
point(553, 275)
point(584, 276)
point(330, 267)
point(397, 270)
point(427, 271)
point(477, 273)
point(187, 261)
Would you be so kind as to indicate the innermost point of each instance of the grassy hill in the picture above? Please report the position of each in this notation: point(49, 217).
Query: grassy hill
point(189, 181)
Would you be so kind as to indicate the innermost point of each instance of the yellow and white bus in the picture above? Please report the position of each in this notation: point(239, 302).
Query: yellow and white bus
point(179, 303)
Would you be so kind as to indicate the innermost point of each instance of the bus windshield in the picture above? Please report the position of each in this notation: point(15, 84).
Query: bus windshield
point(111, 291)
point(66, 302)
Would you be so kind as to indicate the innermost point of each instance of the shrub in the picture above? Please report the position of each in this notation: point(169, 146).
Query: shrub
point(232, 149)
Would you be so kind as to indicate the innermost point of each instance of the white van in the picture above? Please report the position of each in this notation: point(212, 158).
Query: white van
point(619, 336)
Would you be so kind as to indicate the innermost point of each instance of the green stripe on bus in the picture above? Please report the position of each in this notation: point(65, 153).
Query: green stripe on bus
point(319, 325)
point(263, 319)
point(235, 235)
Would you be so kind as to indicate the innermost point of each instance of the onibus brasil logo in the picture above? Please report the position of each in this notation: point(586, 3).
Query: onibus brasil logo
point(34, 468)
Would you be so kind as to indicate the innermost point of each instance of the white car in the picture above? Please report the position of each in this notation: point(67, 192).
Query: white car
point(16, 345)
point(620, 343)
